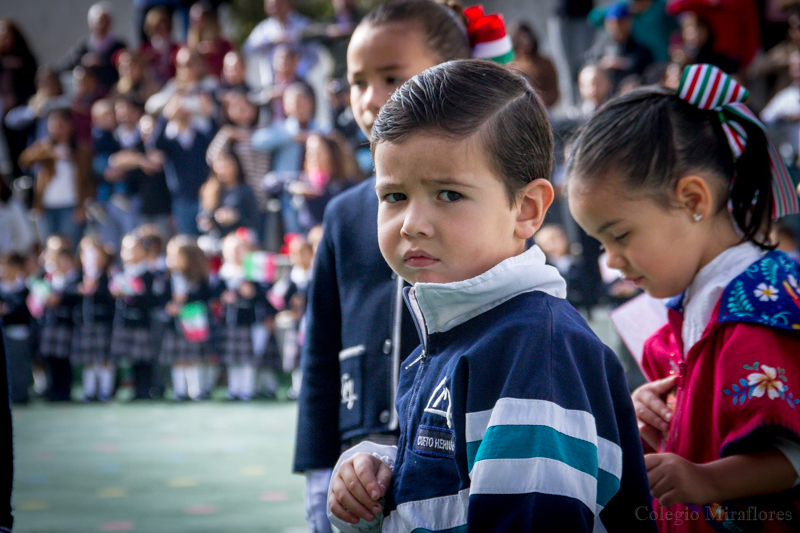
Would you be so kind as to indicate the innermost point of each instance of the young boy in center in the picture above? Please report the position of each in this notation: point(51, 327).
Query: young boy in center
point(513, 415)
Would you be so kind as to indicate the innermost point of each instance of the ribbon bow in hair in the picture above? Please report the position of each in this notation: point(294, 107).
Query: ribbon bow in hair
point(487, 36)
point(708, 88)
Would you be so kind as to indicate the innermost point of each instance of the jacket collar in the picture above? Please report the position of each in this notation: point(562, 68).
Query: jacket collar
point(439, 307)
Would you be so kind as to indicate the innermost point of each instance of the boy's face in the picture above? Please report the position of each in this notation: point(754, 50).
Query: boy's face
point(298, 105)
point(103, 118)
point(233, 69)
point(443, 214)
point(376, 66)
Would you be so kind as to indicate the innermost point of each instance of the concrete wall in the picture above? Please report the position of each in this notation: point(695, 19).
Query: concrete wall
point(53, 26)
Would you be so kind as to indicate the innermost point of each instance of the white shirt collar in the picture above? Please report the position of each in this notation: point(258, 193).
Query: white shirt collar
point(443, 306)
point(706, 288)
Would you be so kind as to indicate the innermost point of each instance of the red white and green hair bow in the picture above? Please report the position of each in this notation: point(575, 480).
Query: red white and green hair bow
point(487, 36)
point(708, 88)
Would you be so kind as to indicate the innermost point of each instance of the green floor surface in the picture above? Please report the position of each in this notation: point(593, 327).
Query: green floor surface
point(156, 467)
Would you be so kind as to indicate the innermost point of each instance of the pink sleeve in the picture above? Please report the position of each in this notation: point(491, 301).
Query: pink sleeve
point(758, 383)
point(660, 356)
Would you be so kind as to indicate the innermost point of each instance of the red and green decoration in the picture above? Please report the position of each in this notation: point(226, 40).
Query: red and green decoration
point(260, 267)
point(487, 35)
point(709, 88)
point(194, 322)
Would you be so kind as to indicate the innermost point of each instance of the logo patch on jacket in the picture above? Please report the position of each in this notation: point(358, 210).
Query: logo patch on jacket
point(439, 442)
point(439, 403)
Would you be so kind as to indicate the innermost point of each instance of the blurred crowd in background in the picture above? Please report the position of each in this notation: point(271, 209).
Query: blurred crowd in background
point(161, 201)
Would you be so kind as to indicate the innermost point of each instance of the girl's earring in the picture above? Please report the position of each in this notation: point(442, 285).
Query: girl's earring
point(697, 217)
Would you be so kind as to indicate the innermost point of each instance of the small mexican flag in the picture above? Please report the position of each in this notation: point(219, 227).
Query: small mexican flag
point(126, 284)
point(260, 267)
point(487, 34)
point(194, 322)
point(39, 291)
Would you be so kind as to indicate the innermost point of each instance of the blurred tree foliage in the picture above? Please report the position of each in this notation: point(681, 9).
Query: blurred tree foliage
point(248, 13)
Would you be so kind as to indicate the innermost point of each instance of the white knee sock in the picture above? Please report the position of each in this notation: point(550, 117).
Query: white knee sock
point(297, 379)
point(269, 382)
point(193, 381)
point(248, 383)
point(89, 382)
point(234, 381)
point(106, 375)
point(178, 382)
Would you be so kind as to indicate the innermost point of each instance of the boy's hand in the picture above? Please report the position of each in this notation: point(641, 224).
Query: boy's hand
point(652, 412)
point(673, 480)
point(360, 482)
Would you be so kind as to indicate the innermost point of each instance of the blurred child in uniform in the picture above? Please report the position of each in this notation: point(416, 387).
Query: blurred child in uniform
point(131, 338)
point(244, 307)
point(91, 343)
point(55, 343)
point(16, 320)
point(185, 345)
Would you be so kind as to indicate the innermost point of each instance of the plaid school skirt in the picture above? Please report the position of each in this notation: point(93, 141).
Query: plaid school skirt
point(91, 344)
point(175, 349)
point(237, 346)
point(134, 345)
point(56, 341)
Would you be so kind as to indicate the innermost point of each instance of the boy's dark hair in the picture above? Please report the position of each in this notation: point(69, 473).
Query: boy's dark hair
point(151, 238)
point(459, 99)
point(65, 253)
point(131, 100)
point(16, 260)
point(649, 138)
point(441, 24)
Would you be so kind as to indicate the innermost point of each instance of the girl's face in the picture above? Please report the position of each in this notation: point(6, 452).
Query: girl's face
point(298, 105)
point(241, 111)
point(318, 155)
point(132, 252)
point(234, 250)
point(59, 128)
point(233, 69)
point(226, 169)
point(176, 260)
point(48, 85)
point(444, 215)
point(658, 248)
point(64, 263)
point(377, 65)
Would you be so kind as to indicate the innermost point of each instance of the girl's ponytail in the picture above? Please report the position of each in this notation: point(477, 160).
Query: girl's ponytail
point(750, 195)
point(761, 187)
point(653, 136)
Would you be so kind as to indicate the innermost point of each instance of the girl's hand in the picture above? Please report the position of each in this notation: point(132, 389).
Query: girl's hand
point(673, 480)
point(360, 482)
point(228, 297)
point(173, 308)
point(652, 412)
point(226, 216)
point(88, 287)
point(247, 290)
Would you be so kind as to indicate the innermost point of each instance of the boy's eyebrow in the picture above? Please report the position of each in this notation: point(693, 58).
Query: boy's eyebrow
point(386, 185)
point(448, 181)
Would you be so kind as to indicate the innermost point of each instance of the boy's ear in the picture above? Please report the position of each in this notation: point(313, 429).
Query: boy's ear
point(532, 205)
point(693, 194)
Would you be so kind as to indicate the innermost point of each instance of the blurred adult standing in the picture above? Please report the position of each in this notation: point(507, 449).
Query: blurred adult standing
point(570, 35)
point(17, 73)
point(97, 49)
